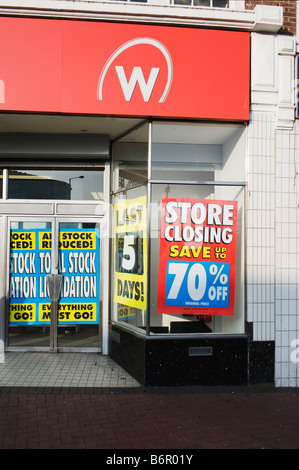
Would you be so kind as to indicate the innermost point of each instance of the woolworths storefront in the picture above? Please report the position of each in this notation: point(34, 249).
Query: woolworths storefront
point(123, 195)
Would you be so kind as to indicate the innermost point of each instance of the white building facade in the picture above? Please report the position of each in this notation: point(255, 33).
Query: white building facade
point(272, 209)
point(252, 160)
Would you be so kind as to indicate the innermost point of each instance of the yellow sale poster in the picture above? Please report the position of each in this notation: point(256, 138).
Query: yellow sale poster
point(130, 251)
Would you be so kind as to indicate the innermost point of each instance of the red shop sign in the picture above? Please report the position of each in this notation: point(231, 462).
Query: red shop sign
point(111, 69)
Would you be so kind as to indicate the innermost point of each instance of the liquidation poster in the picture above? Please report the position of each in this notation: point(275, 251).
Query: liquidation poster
point(31, 263)
point(198, 240)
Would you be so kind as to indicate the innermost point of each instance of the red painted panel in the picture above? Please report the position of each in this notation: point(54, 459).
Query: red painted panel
point(30, 64)
point(122, 69)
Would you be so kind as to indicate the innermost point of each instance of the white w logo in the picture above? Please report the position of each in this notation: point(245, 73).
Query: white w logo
point(128, 87)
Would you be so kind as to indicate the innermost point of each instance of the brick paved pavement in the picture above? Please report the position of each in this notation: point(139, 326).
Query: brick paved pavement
point(185, 419)
point(73, 401)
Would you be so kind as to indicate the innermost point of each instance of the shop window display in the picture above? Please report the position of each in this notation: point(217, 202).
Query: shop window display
point(194, 282)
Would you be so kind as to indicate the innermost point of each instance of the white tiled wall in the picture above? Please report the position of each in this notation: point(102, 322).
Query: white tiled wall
point(261, 226)
point(273, 241)
point(286, 256)
point(273, 203)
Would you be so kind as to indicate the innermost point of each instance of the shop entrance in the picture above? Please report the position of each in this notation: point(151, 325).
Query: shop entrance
point(65, 251)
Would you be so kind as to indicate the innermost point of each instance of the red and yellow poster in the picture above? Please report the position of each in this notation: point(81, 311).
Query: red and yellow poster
point(197, 268)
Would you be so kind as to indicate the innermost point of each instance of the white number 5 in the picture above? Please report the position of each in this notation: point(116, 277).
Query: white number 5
point(128, 259)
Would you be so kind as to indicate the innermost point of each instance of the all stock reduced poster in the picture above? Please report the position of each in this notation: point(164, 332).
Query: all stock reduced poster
point(198, 240)
point(30, 264)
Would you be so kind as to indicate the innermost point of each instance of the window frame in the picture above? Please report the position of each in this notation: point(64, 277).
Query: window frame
point(149, 184)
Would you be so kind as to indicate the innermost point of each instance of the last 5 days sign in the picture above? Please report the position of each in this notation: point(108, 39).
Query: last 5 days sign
point(130, 252)
point(197, 256)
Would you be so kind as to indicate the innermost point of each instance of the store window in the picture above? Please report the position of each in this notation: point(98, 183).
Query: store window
point(187, 239)
point(129, 237)
point(65, 184)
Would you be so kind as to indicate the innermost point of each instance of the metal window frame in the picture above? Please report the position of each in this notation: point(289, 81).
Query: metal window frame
point(150, 182)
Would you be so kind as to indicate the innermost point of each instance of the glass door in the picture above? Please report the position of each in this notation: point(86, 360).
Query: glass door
point(79, 303)
point(30, 263)
point(69, 251)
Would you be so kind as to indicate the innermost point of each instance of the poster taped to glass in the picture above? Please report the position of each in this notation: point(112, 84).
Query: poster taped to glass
point(31, 263)
point(130, 250)
point(198, 240)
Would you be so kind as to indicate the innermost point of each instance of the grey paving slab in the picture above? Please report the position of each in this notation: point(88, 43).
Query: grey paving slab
point(64, 370)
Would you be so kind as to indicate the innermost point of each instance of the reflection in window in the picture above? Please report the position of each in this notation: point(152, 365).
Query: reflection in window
point(178, 154)
point(130, 159)
point(56, 184)
point(130, 173)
